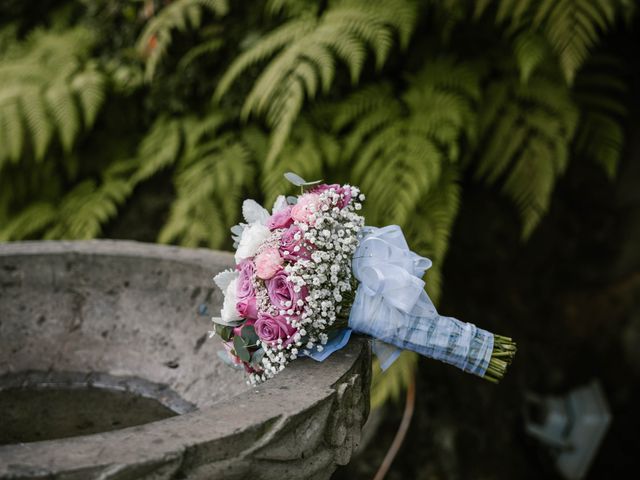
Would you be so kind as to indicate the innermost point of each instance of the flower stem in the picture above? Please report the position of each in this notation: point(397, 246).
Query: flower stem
point(504, 349)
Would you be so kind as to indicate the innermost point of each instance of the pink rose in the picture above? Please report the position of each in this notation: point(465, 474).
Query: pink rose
point(344, 192)
point(271, 328)
point(293, 245)
point(307, 205)
point(281, 219)
point(281, 291)
point(245, 293)
point(268, 263)
point(247, 308)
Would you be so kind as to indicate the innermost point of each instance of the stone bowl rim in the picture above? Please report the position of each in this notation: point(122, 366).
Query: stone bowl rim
point(218, 423)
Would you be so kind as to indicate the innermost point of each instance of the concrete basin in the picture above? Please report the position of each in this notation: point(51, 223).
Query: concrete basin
point(106, 372)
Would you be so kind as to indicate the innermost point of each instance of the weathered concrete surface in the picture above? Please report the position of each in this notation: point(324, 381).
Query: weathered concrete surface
point(131, 310)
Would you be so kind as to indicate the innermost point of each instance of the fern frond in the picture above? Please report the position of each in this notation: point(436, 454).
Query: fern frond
point(526, 140)
point(39, 124)
point(45, 89)
point(306, 50)
point(408, 142)
point(179, 15)
point(11, 122)
point(83, 210)
point(307, 152)
point(159, 149)
point(208, 195)
point(30, 221)
point(89, 89)
point(61, 106)
point(530, 49)
point(571, 27)
point(208, 47)
point(600, 91)
point(291, 8)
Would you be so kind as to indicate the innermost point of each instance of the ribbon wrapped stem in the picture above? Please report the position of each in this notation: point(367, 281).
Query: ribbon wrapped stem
point(392, 306)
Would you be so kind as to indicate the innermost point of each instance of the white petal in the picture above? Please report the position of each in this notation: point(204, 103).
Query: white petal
point(279, 204)
point(224, 278)
point(254, 213)
point(252, 237)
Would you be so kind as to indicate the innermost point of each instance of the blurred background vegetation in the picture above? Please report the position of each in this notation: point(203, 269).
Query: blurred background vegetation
point(153, 119)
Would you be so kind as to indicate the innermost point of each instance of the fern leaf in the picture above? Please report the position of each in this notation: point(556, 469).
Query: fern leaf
point(530, 51)
point(179, 15)
point(600, 93)
point(571, 27)
point(61, 106)
point(527, 143)
point(29, 222)
point(344, 32)
point(11, 120)
point(39, 125)
point(158, 150)
point(264, 49)
point(89, 87)
point(87, 207)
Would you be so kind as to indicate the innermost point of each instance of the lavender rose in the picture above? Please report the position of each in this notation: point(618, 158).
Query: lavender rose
point(282, 292)
point(292, 244)
point(245, 293)
point(271, 328)
point(280, 219)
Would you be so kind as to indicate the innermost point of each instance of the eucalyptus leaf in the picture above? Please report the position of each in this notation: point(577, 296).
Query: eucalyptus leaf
point(256, 357)
point(291, 200)
point(241, 349)
point(297, 180)
point(249, 335)
point(224, 331)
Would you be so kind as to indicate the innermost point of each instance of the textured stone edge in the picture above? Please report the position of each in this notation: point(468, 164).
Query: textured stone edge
point(269, 433)
point(291, 436)
point(120, 248)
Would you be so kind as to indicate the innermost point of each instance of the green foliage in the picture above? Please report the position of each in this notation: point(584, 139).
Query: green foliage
point(600, 93)
point(48, 89)
point(180, 15)
point(408, 141)
point(526, 132)
point(401, 97)
point(571, 27)
point(213, 166)
point(304, 51)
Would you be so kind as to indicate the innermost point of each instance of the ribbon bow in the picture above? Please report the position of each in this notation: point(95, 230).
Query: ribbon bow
point(392, 307)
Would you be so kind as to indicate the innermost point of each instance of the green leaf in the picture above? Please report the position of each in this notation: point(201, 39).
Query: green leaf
point(224, 331)
point(241, 349)
point(256, 357)
point(249, 335)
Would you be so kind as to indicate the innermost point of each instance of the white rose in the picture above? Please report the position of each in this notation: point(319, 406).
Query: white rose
point(229, 312)
point(252, 237)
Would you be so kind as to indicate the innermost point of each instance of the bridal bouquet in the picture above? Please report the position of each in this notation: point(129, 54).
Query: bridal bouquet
point(311, 272)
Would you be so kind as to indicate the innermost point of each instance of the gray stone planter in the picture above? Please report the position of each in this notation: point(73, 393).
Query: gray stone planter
point(118, 315)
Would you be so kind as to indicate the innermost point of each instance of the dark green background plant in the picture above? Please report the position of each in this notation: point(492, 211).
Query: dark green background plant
point(199, 103)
